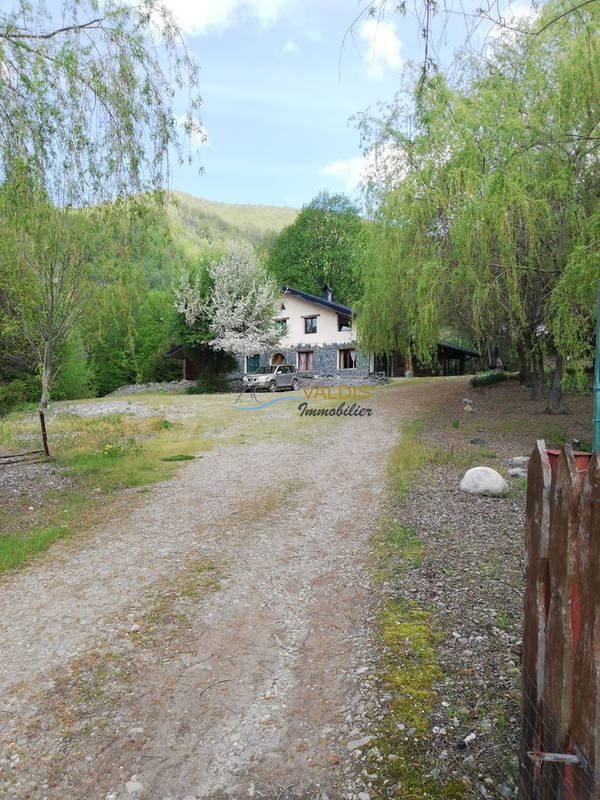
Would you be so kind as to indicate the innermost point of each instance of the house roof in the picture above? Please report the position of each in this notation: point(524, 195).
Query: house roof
point(455, 350)
point(337, 307)
point(175, 352)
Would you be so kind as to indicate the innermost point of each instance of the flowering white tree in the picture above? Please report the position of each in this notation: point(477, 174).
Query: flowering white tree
point(241, 307)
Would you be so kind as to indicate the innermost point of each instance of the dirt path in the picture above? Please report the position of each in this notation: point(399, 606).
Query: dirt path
point(208, 645)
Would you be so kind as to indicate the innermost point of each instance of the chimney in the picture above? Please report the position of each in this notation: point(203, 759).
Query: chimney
point(327, 292)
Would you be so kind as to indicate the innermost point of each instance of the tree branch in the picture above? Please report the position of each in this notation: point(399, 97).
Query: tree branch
point(93, 24)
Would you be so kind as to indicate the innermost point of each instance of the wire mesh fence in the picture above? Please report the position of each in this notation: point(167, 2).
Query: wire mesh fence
point(552, 766)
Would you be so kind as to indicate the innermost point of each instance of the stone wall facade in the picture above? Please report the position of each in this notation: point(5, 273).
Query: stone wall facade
point(325, 360)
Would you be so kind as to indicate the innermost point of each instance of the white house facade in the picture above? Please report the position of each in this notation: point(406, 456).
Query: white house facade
point(318, 337)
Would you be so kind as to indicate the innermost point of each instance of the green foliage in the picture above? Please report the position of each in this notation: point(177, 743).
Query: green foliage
point(86, 95)
point(74, 377)
point(209, 384)
point(321, 246)
point(489, 378)
point(488, 221)
point(16, 549)
point(19, 391)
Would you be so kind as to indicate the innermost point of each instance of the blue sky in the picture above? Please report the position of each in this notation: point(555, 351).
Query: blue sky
point(279, 88)
point(280, 80)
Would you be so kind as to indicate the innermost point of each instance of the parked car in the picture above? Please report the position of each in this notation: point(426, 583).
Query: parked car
point(278, 376)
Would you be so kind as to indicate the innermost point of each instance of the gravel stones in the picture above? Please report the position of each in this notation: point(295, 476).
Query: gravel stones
point(357, 744)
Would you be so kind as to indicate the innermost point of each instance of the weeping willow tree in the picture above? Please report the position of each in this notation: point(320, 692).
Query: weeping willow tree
point(491, 227)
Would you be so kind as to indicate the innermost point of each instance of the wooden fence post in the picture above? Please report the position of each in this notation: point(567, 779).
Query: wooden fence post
point(585, 711)
point(556, 688)
point(534, 619)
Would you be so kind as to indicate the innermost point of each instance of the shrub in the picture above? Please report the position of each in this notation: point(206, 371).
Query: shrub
point(209, 384)
point(19, 391)
point(488, 378)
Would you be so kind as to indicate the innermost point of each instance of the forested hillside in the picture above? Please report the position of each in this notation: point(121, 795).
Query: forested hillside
point(129, 320)
point(199, 225)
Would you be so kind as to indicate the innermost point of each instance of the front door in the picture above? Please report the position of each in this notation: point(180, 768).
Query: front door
point(252, 363)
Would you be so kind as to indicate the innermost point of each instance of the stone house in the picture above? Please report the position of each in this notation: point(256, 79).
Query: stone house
point(318, 337)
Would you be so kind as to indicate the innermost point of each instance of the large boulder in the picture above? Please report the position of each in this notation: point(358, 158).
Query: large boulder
point(485, 481)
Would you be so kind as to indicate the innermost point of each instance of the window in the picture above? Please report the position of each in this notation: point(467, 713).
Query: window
point(347, 359)
point(281, 325)
point(306, 359)
point(344, 323)
point(252, 363)
point(310, 324)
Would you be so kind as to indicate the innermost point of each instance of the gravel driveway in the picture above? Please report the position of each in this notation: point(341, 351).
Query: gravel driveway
point(209, 643)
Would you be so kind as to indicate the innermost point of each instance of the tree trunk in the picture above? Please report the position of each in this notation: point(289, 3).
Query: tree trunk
point(537, 376)
point(524, 368)
point(46, 379)
point(555, 405)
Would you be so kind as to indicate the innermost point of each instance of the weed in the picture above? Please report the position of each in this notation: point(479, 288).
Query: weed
point(487, 452)
point(556, 438)
point(502, 621)
point(502, 724)
point(455, 423)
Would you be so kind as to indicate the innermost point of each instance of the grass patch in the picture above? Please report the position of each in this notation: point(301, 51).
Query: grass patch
point(406, 458)
point(486, 452)
point(17, 548)
point(178, 457)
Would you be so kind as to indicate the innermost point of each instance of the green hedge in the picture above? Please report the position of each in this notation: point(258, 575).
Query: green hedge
point(488, 378)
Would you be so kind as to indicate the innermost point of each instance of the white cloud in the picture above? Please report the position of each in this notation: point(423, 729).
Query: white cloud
point(383, 48)
point(383, 166)
point(194, 129)
point(515, 15)
point(290, 47)
point(350, 171)
point(204, 15)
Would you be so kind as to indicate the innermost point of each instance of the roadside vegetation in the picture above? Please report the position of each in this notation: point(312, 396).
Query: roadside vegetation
point(450, 570)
